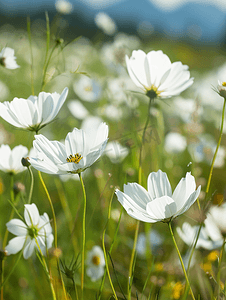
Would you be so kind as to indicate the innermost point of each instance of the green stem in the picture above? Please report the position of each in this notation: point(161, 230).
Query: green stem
point(55, 230)
point(32, 61)
point(129, 284)
point(52, 208)
point(46, 66)
point(208, 184)
point(105, 255)
point(43, 262)
point(219, 269)
point(218, 145)
point(181, 260)
point(12, 198)
point(11, 270)
point(32, 184)
point(83, 234)
point(67, 211)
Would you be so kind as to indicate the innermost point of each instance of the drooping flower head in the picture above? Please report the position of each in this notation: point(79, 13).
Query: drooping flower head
point(35, 112)
point(158, 203)
point(80, 151)
point(7, 58)
point(95, 262)
point(156, 75)
point(37, 230)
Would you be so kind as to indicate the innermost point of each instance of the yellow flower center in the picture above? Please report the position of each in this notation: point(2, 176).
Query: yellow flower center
point(96, 260)
point(88, 88)
point(224, 83)
point(74, 158)
point(152, 92)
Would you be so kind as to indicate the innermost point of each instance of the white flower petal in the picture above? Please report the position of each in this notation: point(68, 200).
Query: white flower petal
point(15, 245)
point(29, 248)
point(17, 227)
point(183, 190)
point(158, 185)
point(161, 208)
point(31, 214)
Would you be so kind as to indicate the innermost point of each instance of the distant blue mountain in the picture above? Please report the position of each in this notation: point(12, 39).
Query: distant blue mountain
point(207, 20)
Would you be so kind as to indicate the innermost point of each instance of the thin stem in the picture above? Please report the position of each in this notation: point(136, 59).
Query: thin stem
point(67, 211)
point(83, 234)
point(32, 184)
point(143, 140)
point(11, 270)
point(218, 145)
point(129, 284)
point(47, 48)
point(208, 183)
point(43, 262)
point(12, 198)
point(55, 230)
point(32, 61)
point(111, 247)
point(105, 255)
point(46, 66)
point(75, 288)
point(52, 208)
point(219, 269)
point(181, 260)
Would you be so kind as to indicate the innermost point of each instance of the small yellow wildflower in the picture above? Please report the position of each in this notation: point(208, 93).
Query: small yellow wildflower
point(178, 290)
point(213, 256)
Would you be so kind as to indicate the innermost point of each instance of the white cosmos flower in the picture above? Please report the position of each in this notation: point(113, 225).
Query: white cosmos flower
point(216, 216)
point(7, 58)
point(156, 75)
point(10, 160)
point(36, 230)
point(175, 142)
point(116, 152)
point(158, 203)
point(87, 89)
point(35, 112)
point(95, 263)
point(81, 150)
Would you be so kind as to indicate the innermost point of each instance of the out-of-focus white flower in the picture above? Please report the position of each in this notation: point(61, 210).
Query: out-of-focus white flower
point(80, 151)
point(91, 122)
point(63, 6)
point(37, 230)
point(77, 109)
point(4, 91)
point(155, 240)
point(35, 112)
point(111, 111)
point(156, 75)
point(158, 203)
point(105, 23)
point(10, 160)
point(95, 263)
point(188, 234)
point(204, 150)
point(7, 58)
point(116, 152)
point(175, 142)
point(221, 89)
point(186, 108)
point(217, 215)
point(87, 89)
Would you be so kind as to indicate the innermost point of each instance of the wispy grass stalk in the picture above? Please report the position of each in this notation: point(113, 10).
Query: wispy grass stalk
point(31, 52)
point(181, 260)
point(83, 234)
point(105, 255)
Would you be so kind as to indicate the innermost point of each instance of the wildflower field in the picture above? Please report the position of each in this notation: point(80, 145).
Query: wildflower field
point(112, 164)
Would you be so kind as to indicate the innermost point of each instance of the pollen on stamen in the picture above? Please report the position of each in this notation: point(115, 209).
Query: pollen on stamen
point(224, 83)
point(74, 158)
